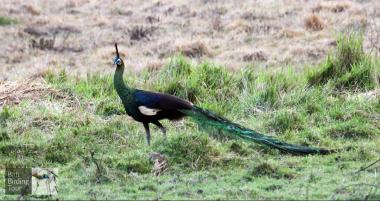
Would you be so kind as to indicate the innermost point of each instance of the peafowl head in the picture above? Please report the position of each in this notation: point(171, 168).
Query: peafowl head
point(118, 61)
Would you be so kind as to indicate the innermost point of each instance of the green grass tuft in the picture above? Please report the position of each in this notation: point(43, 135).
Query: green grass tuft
point(67, 147)
point(274, 86)
point(348, 69)
point(285, 120)
point(4, 21)
point(133, 162)
point(239, 149)
point(192, 151)
point(4, 115)
point(354, 128)
point(109, 107)
point(270, 170)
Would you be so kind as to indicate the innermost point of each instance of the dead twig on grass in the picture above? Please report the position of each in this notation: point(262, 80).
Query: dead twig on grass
point(368, 166)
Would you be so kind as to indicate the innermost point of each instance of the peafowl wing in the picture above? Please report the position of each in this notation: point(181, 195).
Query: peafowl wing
point(161, 105)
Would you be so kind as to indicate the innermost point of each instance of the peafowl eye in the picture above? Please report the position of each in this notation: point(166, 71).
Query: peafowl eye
point(117, 61)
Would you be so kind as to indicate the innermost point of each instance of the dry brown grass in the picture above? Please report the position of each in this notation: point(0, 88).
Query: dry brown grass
point(240, 26)
point(35, 90)
point(155, 65)
point(14, 92)
point(256, 56)
point(141, 32)
point(217, 24)
point(43, 43)
point(154, 30)
point(32, 9)
point(194, 49)
point(369, 95)
point(291, 33)
point(332, 6)
point(315, 23)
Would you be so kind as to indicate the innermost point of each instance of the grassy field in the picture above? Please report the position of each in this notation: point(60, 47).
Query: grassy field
point(78, 126)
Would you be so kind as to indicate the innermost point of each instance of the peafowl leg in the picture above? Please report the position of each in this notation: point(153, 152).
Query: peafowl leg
point(159, 125)
point(147, 131)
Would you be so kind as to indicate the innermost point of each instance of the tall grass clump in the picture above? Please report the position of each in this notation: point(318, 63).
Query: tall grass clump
point(348, 69)
point(174, 79)
point(201, 84)
point(271, 88)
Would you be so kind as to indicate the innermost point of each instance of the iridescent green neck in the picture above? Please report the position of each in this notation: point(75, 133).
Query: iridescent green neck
point(118, 81)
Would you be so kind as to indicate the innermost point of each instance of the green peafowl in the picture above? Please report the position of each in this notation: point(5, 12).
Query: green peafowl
point(150, 107)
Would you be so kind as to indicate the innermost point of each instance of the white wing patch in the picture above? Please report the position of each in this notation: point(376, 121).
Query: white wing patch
point(148, 111)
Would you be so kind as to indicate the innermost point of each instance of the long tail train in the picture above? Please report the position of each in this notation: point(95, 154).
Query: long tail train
point(209, 118)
